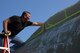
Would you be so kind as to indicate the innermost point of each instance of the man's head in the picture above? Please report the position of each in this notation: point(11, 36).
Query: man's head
point(26, 15)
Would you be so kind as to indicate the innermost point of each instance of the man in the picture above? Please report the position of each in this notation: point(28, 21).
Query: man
point(15, 24)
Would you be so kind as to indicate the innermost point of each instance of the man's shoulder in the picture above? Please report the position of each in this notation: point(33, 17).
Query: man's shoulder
point(15, 16)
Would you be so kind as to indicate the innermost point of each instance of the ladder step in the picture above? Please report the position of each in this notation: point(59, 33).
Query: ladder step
point(4, 48)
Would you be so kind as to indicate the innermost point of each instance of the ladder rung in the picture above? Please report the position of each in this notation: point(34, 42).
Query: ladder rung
point(4, 48)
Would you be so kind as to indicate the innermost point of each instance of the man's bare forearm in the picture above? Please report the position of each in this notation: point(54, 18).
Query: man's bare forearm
point(37, 23)
point(5, 25)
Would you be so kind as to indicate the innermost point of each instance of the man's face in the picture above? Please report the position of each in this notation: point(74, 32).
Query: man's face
point(27, 16)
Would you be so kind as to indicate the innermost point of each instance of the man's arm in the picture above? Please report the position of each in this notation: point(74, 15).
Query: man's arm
point(5, 25)
point(37, 24)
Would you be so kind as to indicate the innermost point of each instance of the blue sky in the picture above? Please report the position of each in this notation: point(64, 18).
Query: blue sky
point(40, 10)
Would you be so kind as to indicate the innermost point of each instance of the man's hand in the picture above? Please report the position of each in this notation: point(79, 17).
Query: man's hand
point(7, 33)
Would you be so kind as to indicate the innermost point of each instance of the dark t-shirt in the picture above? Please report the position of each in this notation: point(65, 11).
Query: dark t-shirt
point(16, 25)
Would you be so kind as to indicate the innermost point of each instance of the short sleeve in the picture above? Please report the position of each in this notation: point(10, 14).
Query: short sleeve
point(29, 23)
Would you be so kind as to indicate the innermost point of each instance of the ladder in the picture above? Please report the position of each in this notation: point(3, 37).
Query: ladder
point(6, 46)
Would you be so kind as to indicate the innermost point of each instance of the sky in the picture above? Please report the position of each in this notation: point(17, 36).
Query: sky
point(41, 10)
